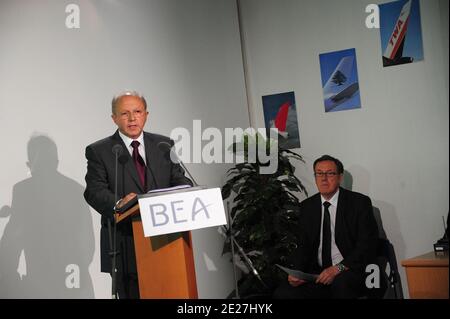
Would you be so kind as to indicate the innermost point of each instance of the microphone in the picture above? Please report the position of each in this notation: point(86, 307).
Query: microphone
point(167, 148)
point(117, 149)
point(123, 159)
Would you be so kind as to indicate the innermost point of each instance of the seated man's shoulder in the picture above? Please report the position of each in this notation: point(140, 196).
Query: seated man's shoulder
point(355, 195)
point(310, 201)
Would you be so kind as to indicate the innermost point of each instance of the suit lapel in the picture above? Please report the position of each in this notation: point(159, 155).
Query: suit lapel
point(339, 227)
point(317, 220)
point(129, 165)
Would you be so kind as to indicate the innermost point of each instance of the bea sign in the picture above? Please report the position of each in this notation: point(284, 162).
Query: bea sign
point(181, 211)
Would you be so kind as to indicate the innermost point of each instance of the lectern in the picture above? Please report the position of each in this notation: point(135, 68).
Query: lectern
point(165, 263)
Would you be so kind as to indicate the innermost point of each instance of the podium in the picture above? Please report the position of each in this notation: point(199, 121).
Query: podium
point(162, 237)
point(165, 263)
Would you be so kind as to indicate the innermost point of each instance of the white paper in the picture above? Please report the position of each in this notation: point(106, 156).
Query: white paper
point(298, 273)
point(181, 211)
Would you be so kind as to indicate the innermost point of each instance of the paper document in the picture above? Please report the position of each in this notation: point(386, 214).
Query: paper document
point(134, 200)
point(168, 189)
point(298, 273)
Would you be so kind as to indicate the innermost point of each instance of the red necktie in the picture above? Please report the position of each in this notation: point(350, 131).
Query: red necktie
point(140, 164)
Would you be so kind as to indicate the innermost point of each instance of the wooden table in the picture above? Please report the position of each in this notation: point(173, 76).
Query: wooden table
point(427, 276)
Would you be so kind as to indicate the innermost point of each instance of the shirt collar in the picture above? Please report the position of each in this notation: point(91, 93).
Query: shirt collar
point(333, 200)
point(128, 140)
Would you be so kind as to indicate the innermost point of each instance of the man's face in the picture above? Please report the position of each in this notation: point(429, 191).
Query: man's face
point(327, 178)
point(130, 116)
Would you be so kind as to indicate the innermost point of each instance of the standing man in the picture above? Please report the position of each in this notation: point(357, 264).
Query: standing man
point(143, 167)
point(337, 239)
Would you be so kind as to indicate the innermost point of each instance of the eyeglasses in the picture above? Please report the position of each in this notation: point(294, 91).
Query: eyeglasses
point(135, 113)
point(326, 174)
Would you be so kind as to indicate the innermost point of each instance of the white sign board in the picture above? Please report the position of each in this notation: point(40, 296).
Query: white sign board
point(181, 211)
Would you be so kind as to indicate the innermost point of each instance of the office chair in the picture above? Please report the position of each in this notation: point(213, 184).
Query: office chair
point(386, 249)
point(390, 283)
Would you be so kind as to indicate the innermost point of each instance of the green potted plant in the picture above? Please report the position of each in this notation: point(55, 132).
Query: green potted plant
point(263, 214)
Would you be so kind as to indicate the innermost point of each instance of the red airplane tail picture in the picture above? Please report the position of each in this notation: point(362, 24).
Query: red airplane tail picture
point(393, 54)
point(281, 117)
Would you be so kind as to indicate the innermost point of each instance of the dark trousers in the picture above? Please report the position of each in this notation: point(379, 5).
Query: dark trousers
point(127, 286)
point(126, 276)
point(346, 285)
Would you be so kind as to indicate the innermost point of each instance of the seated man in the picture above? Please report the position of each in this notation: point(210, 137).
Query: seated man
point(337, 238)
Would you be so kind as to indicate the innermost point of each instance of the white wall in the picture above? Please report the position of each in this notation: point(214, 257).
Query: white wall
point(443, 10)
point(396, 146)
point(184, 56)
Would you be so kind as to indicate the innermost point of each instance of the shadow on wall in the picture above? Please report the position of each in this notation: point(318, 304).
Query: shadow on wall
point(384, 213)
point(363, 176)
point(49, 223)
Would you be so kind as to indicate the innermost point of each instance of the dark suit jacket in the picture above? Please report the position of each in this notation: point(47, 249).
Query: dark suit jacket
point(356, 231)
point(99, 193)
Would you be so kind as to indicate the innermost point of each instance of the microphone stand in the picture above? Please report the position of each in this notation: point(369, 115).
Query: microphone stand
point(249, 263)
point(113, 253)
point(243, 254)
point(174, 158)
point(230, 227)
point(187, 171)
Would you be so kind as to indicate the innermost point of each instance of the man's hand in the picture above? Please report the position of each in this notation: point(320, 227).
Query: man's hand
point(294, 281)
point(126, 199)
point(327, 276)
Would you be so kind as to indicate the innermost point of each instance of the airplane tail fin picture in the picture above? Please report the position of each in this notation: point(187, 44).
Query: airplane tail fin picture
point(400, 33)
point(281, 118)
point(341, 88)
point(338, 79)
point(280, 113)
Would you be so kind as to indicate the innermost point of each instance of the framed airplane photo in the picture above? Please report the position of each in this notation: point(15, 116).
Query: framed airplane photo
point(280, 113)
point(400, 32)
point(340, 80)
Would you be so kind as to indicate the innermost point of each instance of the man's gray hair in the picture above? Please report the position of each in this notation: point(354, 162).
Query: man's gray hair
point(117, 97)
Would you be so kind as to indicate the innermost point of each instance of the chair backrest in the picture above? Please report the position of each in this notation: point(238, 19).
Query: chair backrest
point(391, 281)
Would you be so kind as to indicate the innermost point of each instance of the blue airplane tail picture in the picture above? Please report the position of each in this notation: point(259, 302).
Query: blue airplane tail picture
point(341, 87)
